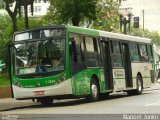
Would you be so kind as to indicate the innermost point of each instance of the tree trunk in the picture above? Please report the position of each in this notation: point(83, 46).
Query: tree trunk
point(26, 16)
point(14, 22)
point(13, 15)
point(75, 21)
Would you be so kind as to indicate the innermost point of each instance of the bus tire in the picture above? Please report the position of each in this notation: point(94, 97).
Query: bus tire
point(45, 101)
point(94, 89)
point(139, 89)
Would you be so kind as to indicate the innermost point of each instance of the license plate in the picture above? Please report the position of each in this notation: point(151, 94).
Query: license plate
point(39, 93)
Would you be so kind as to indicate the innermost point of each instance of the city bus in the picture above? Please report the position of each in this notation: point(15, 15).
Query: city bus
point(59, 62)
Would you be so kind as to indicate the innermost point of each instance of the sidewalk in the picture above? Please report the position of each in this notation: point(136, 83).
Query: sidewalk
point(154, 86)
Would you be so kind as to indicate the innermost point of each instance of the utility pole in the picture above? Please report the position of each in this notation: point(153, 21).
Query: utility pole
point(143, 18)
point(143, 21)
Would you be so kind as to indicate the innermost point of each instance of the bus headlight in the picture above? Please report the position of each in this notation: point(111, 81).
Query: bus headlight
point(16, 83)
point(61, 79)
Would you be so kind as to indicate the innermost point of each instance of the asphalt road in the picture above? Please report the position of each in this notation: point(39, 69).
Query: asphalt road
point(147, 103)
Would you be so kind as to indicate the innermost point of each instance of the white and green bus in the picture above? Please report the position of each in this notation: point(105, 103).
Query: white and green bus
point(58, 62)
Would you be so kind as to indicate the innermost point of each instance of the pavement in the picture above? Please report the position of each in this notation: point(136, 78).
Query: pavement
point(154, 86)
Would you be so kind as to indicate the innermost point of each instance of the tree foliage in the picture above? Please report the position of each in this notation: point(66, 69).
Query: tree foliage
point(17, 6)
point(71, 11)
point(107, 16)
point(98, 14)
point(1, 4)
point(153, 35)
point(7, 31)
point(4, 38)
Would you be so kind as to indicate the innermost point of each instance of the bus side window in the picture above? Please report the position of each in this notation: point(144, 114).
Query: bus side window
point(134, 52)
point(150, 53)
point(116, 54)
point(91, 46)
point(143, 53)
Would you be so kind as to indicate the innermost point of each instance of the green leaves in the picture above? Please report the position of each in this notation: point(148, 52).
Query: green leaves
point(153, 35)
point(71, 11)
point(107, 16)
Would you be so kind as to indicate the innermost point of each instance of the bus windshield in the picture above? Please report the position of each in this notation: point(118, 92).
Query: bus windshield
point(40, 56)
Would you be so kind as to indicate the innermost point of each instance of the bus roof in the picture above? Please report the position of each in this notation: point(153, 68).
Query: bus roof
point(39, 28)
point(94, 32)
point(107, 34)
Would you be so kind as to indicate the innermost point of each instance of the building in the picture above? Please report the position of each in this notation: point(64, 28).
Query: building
point(40, 8)
point(151, 12)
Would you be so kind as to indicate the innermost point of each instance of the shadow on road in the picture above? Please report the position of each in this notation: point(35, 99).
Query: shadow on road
point(70, 102)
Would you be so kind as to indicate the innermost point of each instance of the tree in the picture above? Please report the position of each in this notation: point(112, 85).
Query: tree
point(71, 11)
point(11, 13)
point(25, 4)
point(107, 16)
point(5, 19)
point(153, 35)
point(17, 6)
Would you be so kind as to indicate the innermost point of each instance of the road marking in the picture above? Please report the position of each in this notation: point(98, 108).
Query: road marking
point(152, 104)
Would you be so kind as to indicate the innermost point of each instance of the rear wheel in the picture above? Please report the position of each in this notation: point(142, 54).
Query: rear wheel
point(139, 89)
point(94, 88)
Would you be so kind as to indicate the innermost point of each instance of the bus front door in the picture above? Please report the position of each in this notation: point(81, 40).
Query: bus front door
point(107, 65)
point(127, 65)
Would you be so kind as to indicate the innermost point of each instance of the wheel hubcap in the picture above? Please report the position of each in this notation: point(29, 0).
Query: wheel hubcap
point(94, 90)
point(139, 86)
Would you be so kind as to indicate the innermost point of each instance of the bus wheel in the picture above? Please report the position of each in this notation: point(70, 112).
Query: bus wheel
point(139, 89)
point(94, 96)
point(45, 101)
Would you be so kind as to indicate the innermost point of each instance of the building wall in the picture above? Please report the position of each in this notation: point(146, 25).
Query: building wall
point(40, 8)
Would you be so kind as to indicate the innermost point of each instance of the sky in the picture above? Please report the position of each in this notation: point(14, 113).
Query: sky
point(151, 12)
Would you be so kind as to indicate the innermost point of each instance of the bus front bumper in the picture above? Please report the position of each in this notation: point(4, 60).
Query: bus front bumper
point(63, 88)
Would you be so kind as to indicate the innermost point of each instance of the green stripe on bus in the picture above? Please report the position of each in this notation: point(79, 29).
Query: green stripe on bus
point(83, 30)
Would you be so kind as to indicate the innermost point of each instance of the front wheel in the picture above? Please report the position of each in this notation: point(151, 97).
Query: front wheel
point(94, 95)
